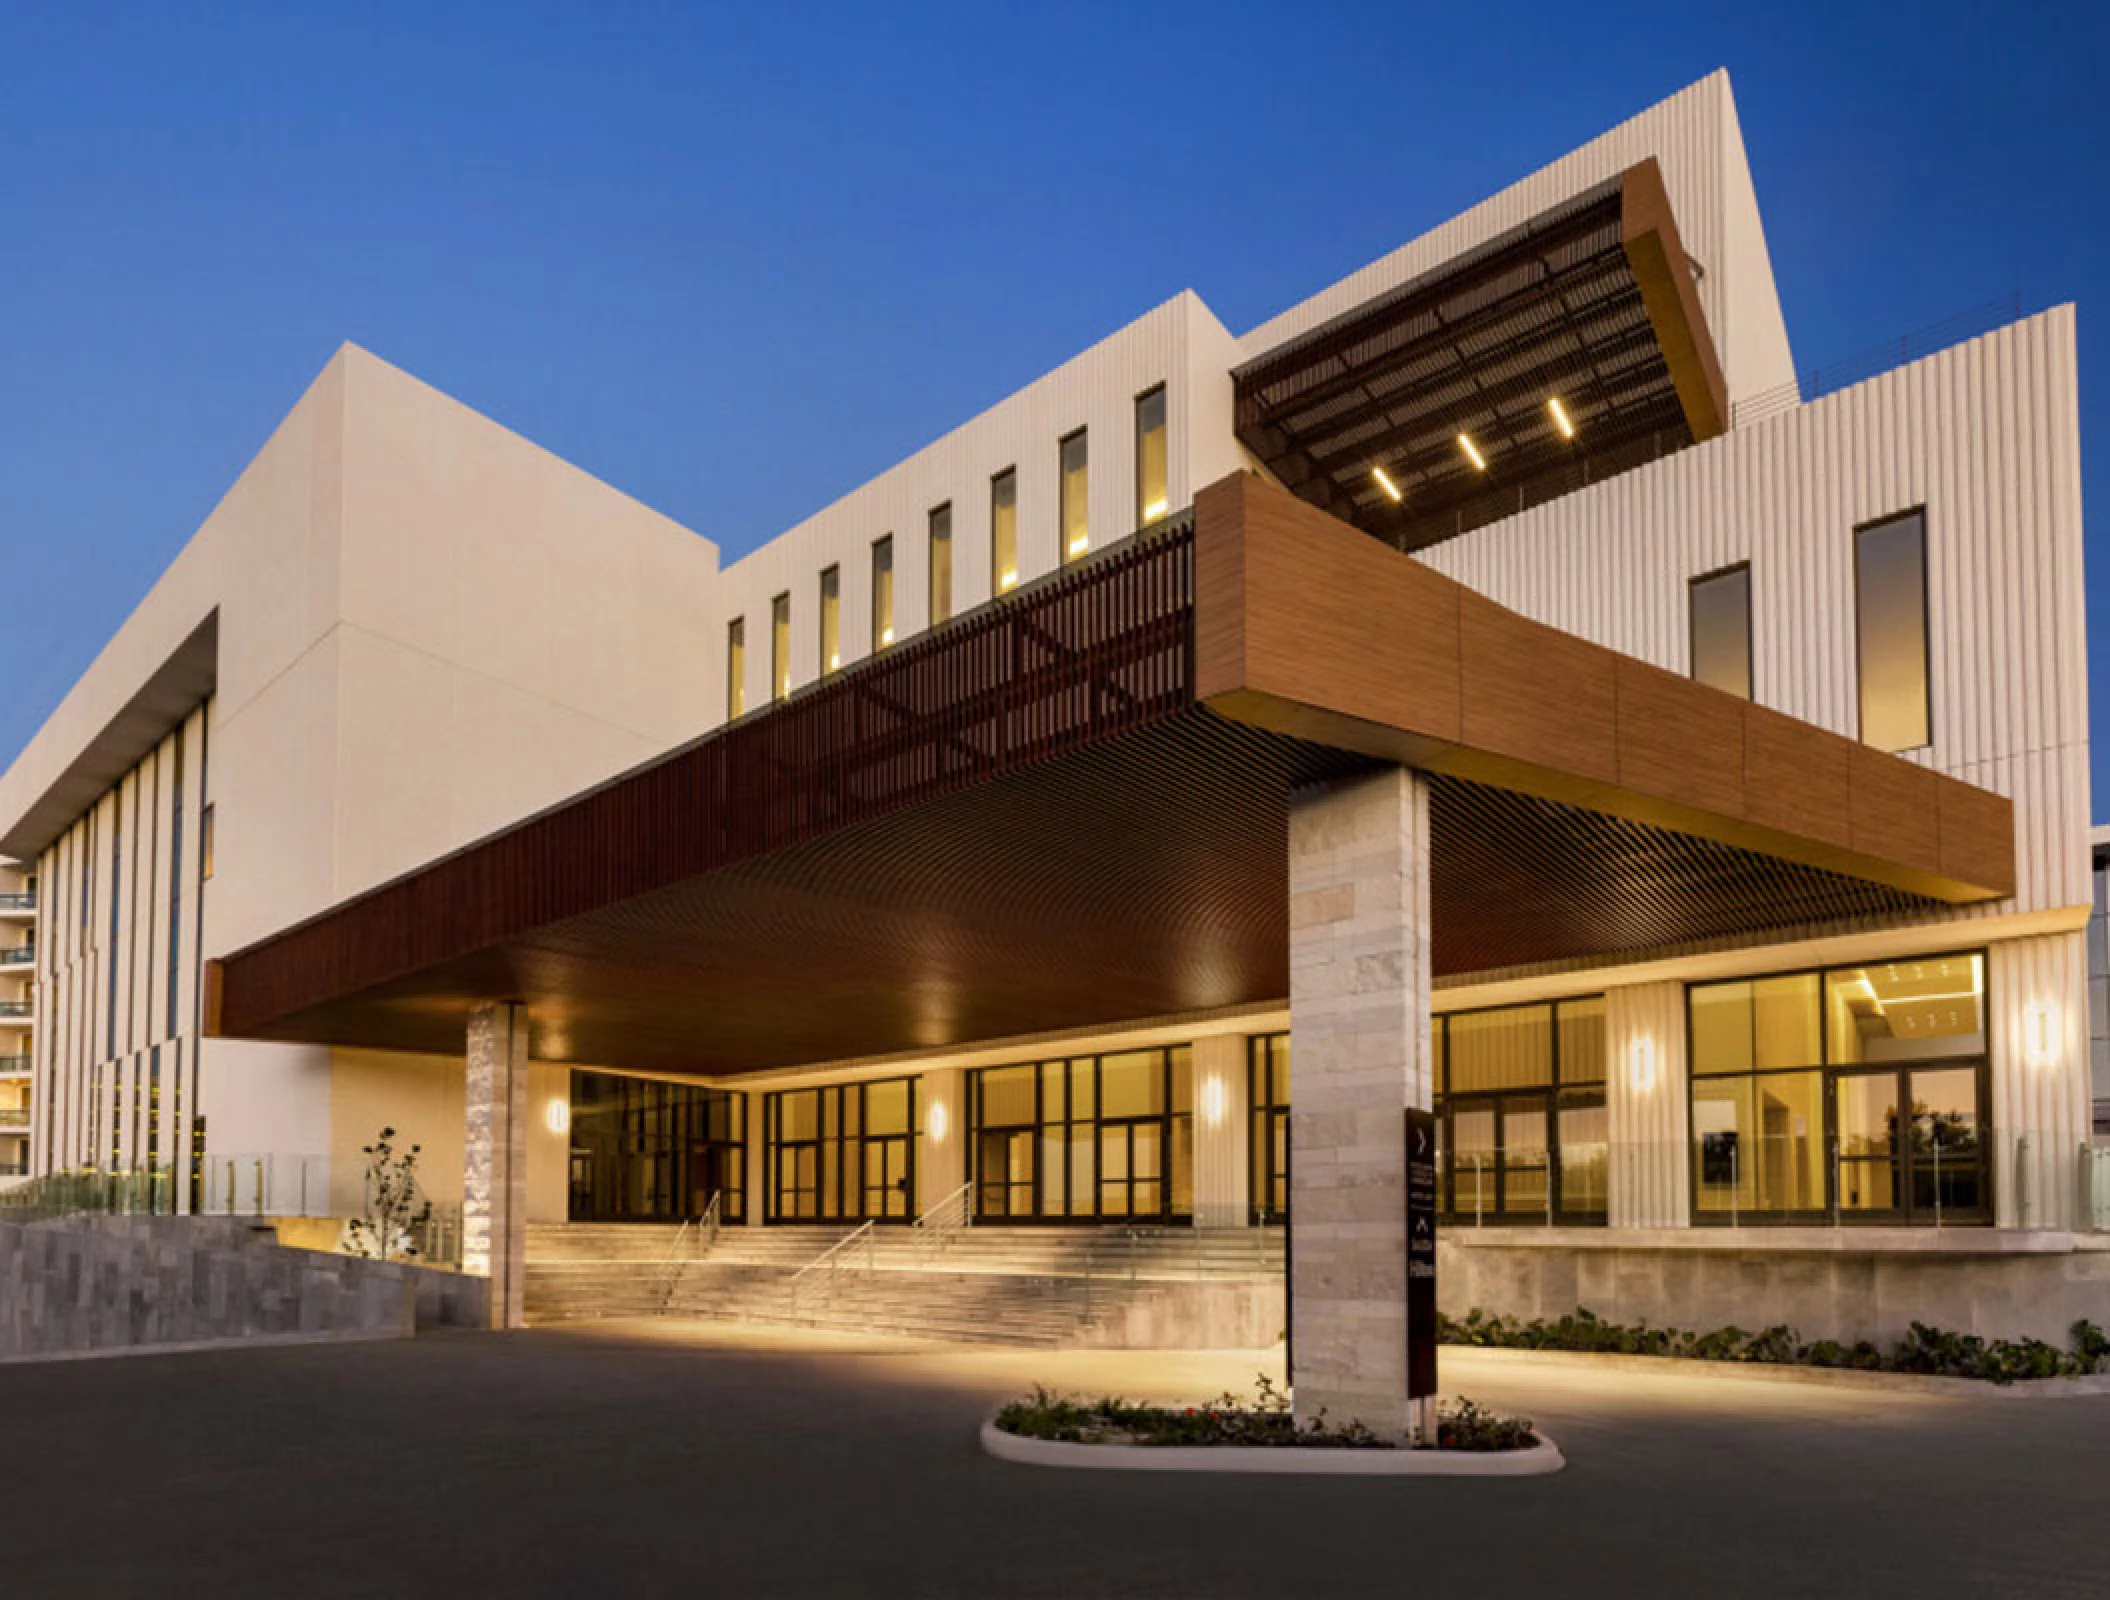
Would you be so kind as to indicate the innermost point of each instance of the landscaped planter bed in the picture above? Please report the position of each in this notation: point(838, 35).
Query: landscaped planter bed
point(1925, 1352)
point(1228, 1435)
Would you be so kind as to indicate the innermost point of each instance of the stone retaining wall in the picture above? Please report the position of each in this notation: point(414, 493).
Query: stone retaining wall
point(1835, 1293)
point(103, 1283)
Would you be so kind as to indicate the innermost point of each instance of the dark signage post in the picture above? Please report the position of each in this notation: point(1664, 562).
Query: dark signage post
point(1421, 1254)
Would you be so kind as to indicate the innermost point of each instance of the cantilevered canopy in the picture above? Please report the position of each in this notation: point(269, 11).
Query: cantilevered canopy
point(1069, 809)
point(1564, 351)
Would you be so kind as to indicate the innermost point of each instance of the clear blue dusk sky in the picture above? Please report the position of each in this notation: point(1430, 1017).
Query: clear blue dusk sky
point(737, 260)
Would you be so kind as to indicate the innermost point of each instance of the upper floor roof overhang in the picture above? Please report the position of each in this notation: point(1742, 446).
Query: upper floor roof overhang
point(1567, 349)
point(1069, 808)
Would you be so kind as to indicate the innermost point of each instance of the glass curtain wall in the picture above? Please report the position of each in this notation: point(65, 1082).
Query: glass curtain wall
point(1267, 1094)
point(647, 1151)
point(1089, 1139)
point(1854, 1094)
point(844, 1153)
point(1520, 1110)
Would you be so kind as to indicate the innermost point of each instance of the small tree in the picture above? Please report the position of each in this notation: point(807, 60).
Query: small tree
point(394, 1207)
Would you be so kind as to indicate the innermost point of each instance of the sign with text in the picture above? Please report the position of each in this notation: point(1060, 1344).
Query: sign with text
point(1421, 1254)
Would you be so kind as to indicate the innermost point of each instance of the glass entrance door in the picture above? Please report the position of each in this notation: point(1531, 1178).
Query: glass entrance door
point(1866, 1120)
point(1131, 1169)
point(1004, 1173)
point(1910, 1144)
point(1947, 1152)
point(887, 1180)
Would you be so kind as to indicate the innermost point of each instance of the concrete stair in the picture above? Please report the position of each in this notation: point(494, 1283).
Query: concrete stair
point(1039, 1286)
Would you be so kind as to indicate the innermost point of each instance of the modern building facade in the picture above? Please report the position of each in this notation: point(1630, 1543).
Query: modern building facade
point(1490, 685)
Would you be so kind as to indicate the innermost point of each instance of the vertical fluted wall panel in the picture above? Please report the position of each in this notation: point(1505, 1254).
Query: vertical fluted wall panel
point(1645, 1099)
point(2038, 1034)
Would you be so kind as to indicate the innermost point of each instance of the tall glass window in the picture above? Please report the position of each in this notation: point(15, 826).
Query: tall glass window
point(648, 1151)
point(1152, 500)
point(1267, 1092)
point(831, 619)
point(940, 564)
point(1857, 1094)
point(1094, 1138)
point(1721, 630)
point(883, 592)
point(1521, 1112)
point(780, 647)
point(1890, 612)
point(844, 1153)
point(1075, 516)
point(1003, 530)
point(735, 668)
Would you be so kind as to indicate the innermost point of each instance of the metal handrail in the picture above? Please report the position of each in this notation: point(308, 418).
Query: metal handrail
point(16, 1063)
point(670, 1268)
point(1913, 346)
point(709, 1223)
point(945, 1221)
point(865, 1231)
point(22, 955)
point(18, 902)
point(15, 1008)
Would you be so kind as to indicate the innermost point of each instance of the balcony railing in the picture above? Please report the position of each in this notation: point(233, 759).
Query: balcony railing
point(22, 955)
point(18, 902)
point(1837, 375)
point(12, 1117)
point(15, 1008)
point(13, 1066)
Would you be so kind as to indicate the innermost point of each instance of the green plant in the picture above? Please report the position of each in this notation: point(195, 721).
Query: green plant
point(1924, 1349)
point(1265, 1420)
point(1469, 1425)
point(395, 1208)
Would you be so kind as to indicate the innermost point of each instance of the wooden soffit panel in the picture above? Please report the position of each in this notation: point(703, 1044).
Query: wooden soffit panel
point(1307, 627)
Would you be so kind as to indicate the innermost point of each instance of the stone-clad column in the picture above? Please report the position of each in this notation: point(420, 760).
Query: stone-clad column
point(494, 1165)
point(1359, 1056)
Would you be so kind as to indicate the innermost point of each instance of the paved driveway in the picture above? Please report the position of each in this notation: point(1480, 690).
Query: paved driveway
point(655, 1459)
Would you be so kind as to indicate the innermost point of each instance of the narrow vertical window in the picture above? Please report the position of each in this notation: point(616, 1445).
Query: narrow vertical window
point(1076, 495)
point(941, 564)
point(882, 592)
point(1890, 612)
point(780, 647)
point(735, 668)
point(1003, 530)
point(1152, 497)
point(205, 843)
point(831, 619)
point(1721, 630)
